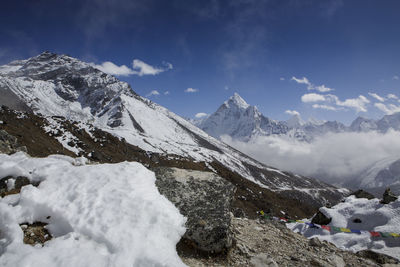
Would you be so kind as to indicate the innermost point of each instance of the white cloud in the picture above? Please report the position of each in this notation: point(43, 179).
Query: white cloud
point(395, 77)
point(166, 93)
point(310, 86)
point(312, 97)
point(191, 90)
point(139, 68)
point(323, 88)
point(143, 68)
point(326, 107)
point(335, 157)
point(387, 109)
point(392, 96)
point(282, 78)
point(377, 97)
point(111, 68)
point(200, 115)
point(154, 92)
point(292, 112)
point(359, 103)
point(303, 80)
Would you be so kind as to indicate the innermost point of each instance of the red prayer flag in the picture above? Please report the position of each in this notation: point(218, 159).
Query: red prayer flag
point(375, 234)
point(326, 227)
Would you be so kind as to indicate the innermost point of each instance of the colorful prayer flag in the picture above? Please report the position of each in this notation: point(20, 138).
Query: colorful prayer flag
point(332, 228)
point(326, 227)
point(383, 234)
point(375, 234)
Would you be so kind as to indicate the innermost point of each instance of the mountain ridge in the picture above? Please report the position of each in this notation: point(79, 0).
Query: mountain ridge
point(59, 85)
point(228, 120)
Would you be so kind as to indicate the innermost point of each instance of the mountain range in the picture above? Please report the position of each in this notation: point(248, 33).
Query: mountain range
point(241, 121)
point(60, 88)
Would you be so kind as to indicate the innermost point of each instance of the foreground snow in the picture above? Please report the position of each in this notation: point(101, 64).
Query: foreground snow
point(374, 217)
point(100, 215)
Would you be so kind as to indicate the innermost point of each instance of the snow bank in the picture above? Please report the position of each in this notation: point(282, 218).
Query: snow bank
point(374, 217)
point(100, 215)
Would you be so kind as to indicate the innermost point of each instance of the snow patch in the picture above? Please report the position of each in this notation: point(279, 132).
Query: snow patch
point(100, 215)
point(374, 217)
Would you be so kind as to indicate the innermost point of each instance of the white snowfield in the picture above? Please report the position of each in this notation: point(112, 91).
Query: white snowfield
point(374, 217)
point(100, 215)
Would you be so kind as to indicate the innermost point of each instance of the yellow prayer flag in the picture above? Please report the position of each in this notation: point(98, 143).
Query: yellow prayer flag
point(299, 221)
point(262, 213)
point(347, 230)
point(394, 234)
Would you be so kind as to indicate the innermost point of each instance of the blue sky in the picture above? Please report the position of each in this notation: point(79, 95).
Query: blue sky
point(278, 55)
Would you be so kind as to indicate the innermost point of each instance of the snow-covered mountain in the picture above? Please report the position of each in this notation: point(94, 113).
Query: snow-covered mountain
point(244, 122)
point(376, 178)
point(236, 119)
point(59, 85)
point(382, 125)
point(361, 124)
point(239, 120)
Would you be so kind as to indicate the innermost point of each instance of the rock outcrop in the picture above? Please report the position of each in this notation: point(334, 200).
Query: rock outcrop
point(362, 194)
point(205, 199)
point(321, 219)
point(9, 143)
point(388, 197)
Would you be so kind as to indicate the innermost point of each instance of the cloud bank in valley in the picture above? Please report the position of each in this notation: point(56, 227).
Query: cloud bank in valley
point(333, 158)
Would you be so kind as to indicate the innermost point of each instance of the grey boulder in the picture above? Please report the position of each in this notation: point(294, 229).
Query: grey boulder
point(205, 199)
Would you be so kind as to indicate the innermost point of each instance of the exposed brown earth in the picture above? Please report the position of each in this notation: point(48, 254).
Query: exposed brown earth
point(35, 233)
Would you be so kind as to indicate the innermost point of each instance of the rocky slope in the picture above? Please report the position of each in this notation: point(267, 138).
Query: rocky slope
point(31, 132)
point(65, 90)
point(269, 243)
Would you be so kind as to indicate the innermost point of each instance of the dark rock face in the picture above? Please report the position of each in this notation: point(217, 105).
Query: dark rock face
point(205, 199)
point(388, 197)
point(377, 257)
point(362, 194)
point(9, 144)
point(320, 218)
